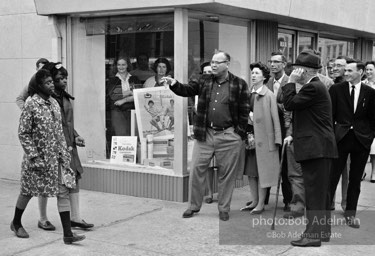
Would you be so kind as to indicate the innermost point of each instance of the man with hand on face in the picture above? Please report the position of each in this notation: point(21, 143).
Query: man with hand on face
point(314, 144)
point(353, 108)
point(219, 128)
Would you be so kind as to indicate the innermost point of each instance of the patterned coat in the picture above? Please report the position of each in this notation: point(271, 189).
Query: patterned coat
point(41, 135)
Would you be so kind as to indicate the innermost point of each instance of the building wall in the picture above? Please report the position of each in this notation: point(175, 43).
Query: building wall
point(88, 87)
point(25, 37)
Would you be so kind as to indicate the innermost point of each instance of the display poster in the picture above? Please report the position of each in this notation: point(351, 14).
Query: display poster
point(154, 109)
point(124, 149)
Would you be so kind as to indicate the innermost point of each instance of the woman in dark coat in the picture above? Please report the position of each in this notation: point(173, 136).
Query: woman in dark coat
point(72, 138)
point(120, 99)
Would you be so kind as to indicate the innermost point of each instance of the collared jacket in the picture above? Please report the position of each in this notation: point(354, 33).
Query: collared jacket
point(284, 116)
point(114, 93)
point(267, 134)
point(70, 133)
point(41, 136)
point(239, 102)
point(362, 121)
point(313, 135)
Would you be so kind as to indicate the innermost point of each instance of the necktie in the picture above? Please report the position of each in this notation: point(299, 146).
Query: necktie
point(276, 86)
point(352, 96)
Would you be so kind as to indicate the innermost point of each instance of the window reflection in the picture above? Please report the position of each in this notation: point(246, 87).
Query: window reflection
point(286, 44)
point(331, 48)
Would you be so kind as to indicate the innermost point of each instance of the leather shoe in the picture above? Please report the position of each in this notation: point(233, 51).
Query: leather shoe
point(326, 239)
point(292, 215)
point(46, 225)
point(372, 181)
point(189, 213)
point(82, 225)
point(20, 232)
point(286, 208)
point(224, 216)
point(209, 200)
point(306, 242)
point(352, 222)
point(249, 203)
point(253, 212)
point(74, 238)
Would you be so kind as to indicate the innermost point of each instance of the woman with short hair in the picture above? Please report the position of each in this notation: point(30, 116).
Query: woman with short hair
point(162, 67)
point(262, 159)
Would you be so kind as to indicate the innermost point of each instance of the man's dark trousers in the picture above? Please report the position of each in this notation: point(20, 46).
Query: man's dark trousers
point(358, 157)
point(317, 197)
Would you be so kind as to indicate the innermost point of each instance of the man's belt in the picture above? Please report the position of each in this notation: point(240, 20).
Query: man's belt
point(218, 129)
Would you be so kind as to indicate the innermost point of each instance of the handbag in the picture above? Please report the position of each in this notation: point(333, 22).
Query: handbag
point(250, 141)
point(68, 177)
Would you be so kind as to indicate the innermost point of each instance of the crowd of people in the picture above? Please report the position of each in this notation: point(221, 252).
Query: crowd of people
point(321, 119)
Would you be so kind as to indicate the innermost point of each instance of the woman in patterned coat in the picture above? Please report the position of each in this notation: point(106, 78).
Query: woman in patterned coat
point(45, 153)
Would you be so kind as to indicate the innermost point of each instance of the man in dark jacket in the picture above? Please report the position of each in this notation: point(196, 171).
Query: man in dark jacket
point(354, 120)
point(219, 128)
point(314, 144)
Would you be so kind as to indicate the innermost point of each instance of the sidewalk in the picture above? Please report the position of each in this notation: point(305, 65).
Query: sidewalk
point(126, 225)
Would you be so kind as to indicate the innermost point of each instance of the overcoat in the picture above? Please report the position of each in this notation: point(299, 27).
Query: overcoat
point(41, 135)
point(267, 133)
point(313, 135)
point(70, 133)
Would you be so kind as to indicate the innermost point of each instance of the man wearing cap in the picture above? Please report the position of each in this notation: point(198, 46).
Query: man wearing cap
point(353, 110)
point(314, 144)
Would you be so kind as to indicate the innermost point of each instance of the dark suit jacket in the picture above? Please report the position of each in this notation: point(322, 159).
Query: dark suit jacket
point(362, 121)
point(313, 135)
point(280, 106)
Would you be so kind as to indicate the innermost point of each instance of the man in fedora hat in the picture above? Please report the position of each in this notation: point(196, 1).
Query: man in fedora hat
point(314, 144)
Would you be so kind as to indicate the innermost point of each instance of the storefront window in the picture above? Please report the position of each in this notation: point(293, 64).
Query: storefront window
point(209, 33)
point(139, 51)
point(306, 41)
point(286, 44)
point(331, 48)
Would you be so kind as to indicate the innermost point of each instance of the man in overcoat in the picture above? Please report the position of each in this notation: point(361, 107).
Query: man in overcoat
point(314, 144)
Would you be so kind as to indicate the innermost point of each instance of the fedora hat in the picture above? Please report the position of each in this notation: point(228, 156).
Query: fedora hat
point(309, 59)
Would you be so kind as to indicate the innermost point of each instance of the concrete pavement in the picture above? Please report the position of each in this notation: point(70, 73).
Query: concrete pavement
point(126, 225)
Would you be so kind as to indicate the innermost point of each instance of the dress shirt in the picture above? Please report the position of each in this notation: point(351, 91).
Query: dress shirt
point(218, 108)
point(357, 88)
point(124, 83)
